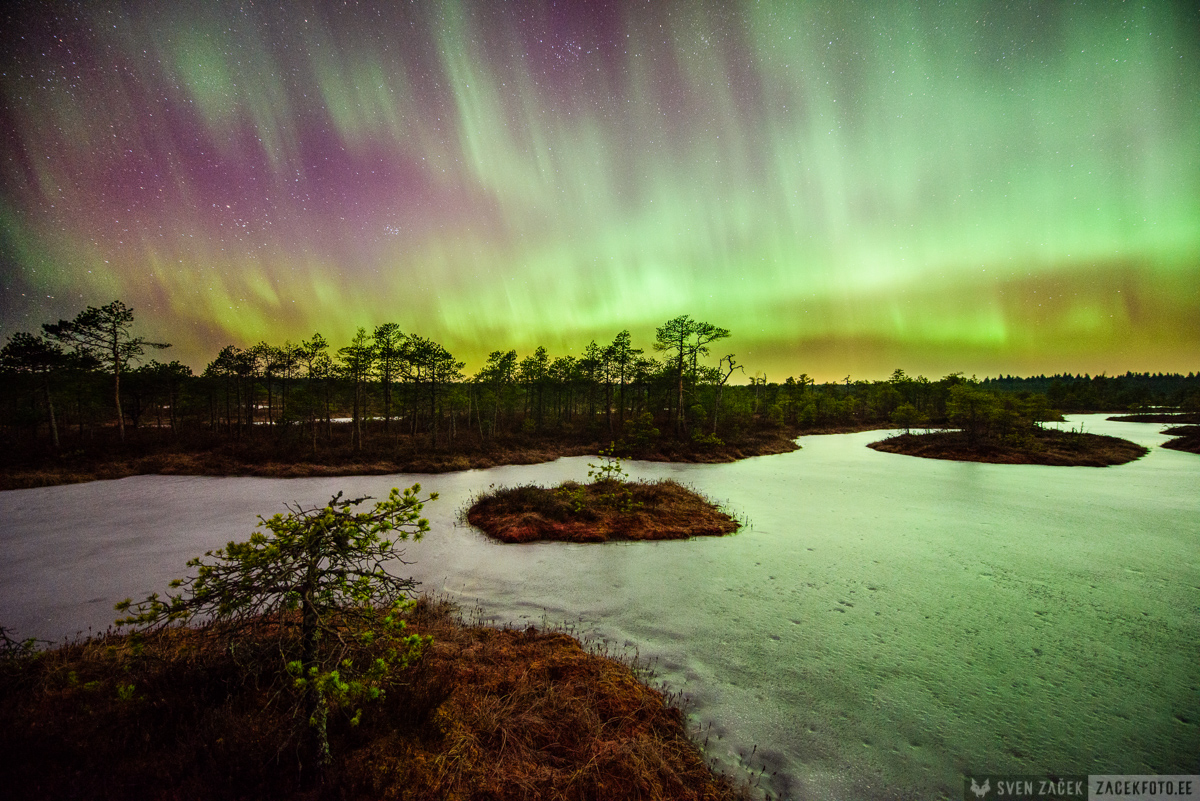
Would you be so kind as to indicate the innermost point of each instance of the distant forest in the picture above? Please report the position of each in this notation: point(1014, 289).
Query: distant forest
point(90, 377)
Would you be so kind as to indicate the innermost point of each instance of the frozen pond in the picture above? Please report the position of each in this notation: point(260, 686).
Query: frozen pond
point(884, 625)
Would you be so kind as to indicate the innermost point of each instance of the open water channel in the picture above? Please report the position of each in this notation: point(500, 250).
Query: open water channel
point(882, 626)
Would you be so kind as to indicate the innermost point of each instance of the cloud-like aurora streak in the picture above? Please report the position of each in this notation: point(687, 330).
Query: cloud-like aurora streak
point(847, 187)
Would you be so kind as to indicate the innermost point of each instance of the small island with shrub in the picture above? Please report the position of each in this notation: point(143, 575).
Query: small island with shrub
point(609, 508)
point(1006, 429)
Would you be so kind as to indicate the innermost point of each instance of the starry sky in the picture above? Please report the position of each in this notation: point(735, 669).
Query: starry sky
point(849, 187)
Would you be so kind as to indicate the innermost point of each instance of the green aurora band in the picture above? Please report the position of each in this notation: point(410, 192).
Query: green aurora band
point(848, 187)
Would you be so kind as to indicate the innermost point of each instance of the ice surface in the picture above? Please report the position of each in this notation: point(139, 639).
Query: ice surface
point(884, 624)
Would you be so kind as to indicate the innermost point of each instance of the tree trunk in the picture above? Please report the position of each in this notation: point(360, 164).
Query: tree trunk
point(621, 408)
point(608, 407)
point(328, 419)
point(250, 406)
point(50, 407)
point(316, 709)
point(470, 404)
point(479, 418)
point(717, 407)
point(679, 424)
point(117, 394)
point(387, 403)
point(356, 429)
point(237, 404)
point(433, 421)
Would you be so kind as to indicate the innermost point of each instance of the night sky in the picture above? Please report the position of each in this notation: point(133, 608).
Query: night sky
point(848, 187)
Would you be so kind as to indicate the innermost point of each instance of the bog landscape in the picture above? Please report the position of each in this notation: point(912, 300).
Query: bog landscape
point(297, 659)
point(597, 400)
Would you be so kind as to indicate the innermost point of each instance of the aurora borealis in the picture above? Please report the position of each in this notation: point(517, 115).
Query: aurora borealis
point(848, 187)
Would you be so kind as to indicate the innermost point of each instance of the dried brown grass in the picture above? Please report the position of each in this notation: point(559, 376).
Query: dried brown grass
point(485, 714)
point(598, 512)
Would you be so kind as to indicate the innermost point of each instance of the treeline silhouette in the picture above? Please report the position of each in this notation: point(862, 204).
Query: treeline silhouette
point(82, 383)
point(1104, 393)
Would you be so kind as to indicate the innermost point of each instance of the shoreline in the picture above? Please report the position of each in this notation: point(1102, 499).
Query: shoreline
point(264, 461)
point(1043, 447)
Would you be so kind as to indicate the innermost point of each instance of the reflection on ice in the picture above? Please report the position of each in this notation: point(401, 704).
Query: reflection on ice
point(883, 625)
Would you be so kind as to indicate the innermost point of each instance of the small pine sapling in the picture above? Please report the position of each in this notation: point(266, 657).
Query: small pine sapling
point(610, 477)
point(319, 574)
